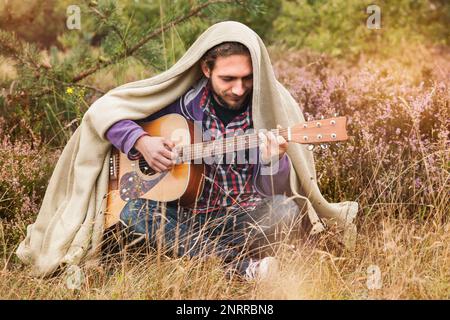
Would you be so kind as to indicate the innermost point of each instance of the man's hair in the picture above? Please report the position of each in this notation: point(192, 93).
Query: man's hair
point(224, 49)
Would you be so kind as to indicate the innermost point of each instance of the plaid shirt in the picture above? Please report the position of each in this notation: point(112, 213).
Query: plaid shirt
point(226, 185)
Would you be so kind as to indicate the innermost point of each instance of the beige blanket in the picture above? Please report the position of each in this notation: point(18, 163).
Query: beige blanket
point(69, 226)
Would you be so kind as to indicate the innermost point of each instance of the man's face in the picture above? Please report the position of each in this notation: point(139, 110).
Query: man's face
point(231, 79)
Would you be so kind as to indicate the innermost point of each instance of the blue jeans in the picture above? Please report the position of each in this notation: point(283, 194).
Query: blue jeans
point(232, 236)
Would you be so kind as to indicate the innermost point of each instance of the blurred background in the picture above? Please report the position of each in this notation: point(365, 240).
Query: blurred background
point(383, 64)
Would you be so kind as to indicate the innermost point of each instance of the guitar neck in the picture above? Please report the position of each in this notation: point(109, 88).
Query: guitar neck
point(318, 131)
point(223, 146)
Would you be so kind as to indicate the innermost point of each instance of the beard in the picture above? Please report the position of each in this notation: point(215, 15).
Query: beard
point(219, 98)
point(226, 105)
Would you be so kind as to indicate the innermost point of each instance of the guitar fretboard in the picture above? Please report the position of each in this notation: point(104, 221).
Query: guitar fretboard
point(217, 147)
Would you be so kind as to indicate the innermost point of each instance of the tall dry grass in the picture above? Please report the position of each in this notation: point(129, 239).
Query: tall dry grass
point(413, 259)
point(396, 165)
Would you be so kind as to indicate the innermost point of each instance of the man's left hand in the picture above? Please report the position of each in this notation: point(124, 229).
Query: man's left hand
point(271, 147)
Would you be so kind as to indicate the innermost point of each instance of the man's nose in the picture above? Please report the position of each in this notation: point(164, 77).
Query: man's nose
point(238, 89)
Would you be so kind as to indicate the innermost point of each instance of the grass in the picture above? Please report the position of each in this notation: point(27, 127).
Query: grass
point(413, 259)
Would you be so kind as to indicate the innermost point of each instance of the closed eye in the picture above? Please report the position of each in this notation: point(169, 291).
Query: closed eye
point(250, 77)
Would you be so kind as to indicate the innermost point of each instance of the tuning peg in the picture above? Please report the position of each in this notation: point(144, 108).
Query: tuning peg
point(322, 117)
point(336, 114)
point(324, 146)
point(310, 147)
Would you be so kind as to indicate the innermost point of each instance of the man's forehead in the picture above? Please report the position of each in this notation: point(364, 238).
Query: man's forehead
point(234, 66)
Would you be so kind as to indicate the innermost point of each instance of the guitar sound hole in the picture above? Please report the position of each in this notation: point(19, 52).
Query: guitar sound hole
point(145, 168)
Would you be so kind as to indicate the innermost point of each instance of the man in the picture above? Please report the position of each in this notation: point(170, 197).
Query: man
point(240, 208)
point(69, 228)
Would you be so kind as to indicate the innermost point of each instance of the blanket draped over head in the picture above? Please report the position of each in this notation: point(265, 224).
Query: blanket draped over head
point(69, 226)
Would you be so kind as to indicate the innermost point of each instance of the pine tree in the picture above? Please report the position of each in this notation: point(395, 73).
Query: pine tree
point(52, 93)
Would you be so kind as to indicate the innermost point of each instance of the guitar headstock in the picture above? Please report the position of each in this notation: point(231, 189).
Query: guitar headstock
point(320, 131)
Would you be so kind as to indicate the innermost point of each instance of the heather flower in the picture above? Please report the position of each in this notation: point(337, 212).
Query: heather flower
point(395, 118)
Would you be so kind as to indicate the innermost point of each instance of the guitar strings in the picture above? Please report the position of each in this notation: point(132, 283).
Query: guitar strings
point(216, 147)
point(219, 146)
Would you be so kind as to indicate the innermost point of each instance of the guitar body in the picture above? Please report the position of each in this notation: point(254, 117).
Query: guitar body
point(129, 179)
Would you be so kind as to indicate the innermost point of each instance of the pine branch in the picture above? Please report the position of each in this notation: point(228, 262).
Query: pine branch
point(112, 26)
point(25, 53)
point(132, 50)
point(78, 85)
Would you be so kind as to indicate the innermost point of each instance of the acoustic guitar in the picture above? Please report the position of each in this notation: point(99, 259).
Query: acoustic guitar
point(131, 179)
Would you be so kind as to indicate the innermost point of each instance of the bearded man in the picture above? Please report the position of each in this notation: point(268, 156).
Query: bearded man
point(239, 207)
point(234, 87)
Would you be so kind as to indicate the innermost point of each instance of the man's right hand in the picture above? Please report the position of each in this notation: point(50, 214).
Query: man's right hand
point(157, 151)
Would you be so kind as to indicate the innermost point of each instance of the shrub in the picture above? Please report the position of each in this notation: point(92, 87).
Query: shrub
point(26, 166)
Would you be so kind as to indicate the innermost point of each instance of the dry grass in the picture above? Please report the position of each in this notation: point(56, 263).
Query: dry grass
point(413, 257)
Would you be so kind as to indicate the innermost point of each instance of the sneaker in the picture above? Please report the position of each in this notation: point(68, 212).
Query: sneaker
point(262, 269)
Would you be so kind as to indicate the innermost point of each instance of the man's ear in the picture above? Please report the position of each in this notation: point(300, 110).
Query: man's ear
point(205, 69)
